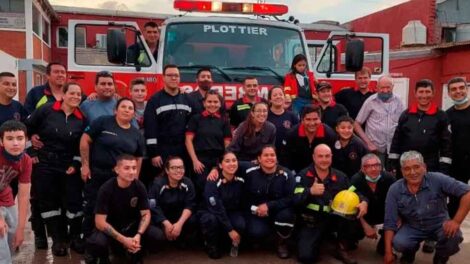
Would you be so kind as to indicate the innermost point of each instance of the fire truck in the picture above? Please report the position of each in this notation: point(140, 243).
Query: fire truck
point(248, 40)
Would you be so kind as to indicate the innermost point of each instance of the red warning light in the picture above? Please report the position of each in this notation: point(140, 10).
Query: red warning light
point(270, 9)
point(231, 7)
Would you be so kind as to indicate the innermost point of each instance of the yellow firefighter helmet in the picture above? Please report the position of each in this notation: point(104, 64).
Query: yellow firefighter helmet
point(345, 202)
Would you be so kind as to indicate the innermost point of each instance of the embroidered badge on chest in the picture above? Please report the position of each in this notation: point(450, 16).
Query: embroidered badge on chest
point(134, 201)
point(353, 156)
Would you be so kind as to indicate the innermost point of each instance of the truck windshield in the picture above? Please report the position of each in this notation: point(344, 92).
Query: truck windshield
point(233, 51)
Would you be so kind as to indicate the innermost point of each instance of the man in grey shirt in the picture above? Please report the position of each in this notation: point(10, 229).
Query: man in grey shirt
point(380, 114)
point(104, 102)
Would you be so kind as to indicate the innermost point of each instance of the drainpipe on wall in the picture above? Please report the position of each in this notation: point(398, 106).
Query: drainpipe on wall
point(23, 64)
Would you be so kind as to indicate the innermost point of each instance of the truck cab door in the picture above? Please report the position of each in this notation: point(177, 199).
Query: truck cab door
point(88, 54)
point(330, 63)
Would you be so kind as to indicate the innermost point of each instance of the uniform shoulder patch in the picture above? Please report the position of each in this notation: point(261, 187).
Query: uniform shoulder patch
point(184, 186)
point(252, 169)
point(239, 179)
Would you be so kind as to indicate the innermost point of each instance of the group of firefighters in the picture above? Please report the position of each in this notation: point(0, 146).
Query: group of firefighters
point(114, 172)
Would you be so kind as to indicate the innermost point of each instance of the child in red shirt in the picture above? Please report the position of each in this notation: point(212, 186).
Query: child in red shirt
point(14, 162)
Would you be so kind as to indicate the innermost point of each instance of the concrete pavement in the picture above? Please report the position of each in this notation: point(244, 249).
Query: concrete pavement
point(365, 254)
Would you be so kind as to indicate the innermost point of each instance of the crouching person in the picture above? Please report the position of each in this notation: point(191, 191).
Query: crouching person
point(14, 163)
point(268, 193)
point(419, 201)
point(122, 216)
point(222, 218)
point(172, 204)
point(316, 186)
point(373, 182)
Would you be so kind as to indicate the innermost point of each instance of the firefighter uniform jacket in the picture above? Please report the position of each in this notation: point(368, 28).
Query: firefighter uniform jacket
point(310, 206)
point(59, 133)
point(241, 109)
point(38, 96)
point(426, 132)
point(273, 189)
point(222, 197)
point(297, 150)
point(165, 120)
point(167, 203)
point(332, 112)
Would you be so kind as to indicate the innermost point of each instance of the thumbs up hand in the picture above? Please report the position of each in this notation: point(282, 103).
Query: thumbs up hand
point(317, 188)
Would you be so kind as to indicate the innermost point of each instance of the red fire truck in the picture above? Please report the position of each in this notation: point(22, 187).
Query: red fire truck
point(255, 44)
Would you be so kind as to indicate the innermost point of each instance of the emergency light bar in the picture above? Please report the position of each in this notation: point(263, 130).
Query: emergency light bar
point(230, 7)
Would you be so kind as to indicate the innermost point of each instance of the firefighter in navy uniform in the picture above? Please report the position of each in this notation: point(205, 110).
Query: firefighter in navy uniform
point(241, 108)
point(424, 128)
point(207, 135)
point(56, 182)
point(222, 216)
point(172, 203)
point(331, 110)
point(268, 193)
point(300, 141)
point(349, 148)
point(204, 85)
point(103, 141)
point(316, 187)
point(165, 118)
point(37, 97)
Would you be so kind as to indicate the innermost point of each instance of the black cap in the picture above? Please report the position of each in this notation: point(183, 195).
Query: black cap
point(323, 85)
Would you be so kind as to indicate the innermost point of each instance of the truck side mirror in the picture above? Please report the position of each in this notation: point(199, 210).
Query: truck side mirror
point(354, 55)
point(116, 46)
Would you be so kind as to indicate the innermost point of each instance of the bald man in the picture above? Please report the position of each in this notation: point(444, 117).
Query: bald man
point(380, 114)
point(316, 186)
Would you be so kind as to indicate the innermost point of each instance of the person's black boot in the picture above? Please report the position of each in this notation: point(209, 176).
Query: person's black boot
point(40, 242)
point(38, 226)
point(380, 248)
point(39, 230)
point(439, 259)
point(137, 258)
point(212, 249)
point(429, 246)
point(77, 243)
point(59, 249)
point(55, 228)
point(89, 258)
point(343, 255)
point(407, 258)
point(283, 248)
point(213, 252)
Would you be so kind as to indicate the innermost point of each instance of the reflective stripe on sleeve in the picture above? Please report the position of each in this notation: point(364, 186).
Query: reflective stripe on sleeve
point(50, 214)
point(445, 160)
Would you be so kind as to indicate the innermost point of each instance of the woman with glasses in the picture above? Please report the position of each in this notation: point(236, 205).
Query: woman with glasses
point(373, 182)
point(56, 185)
point(104, 140)
point(222, 218)
point(172, 202)
point(253, 134)
point(207, 135)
